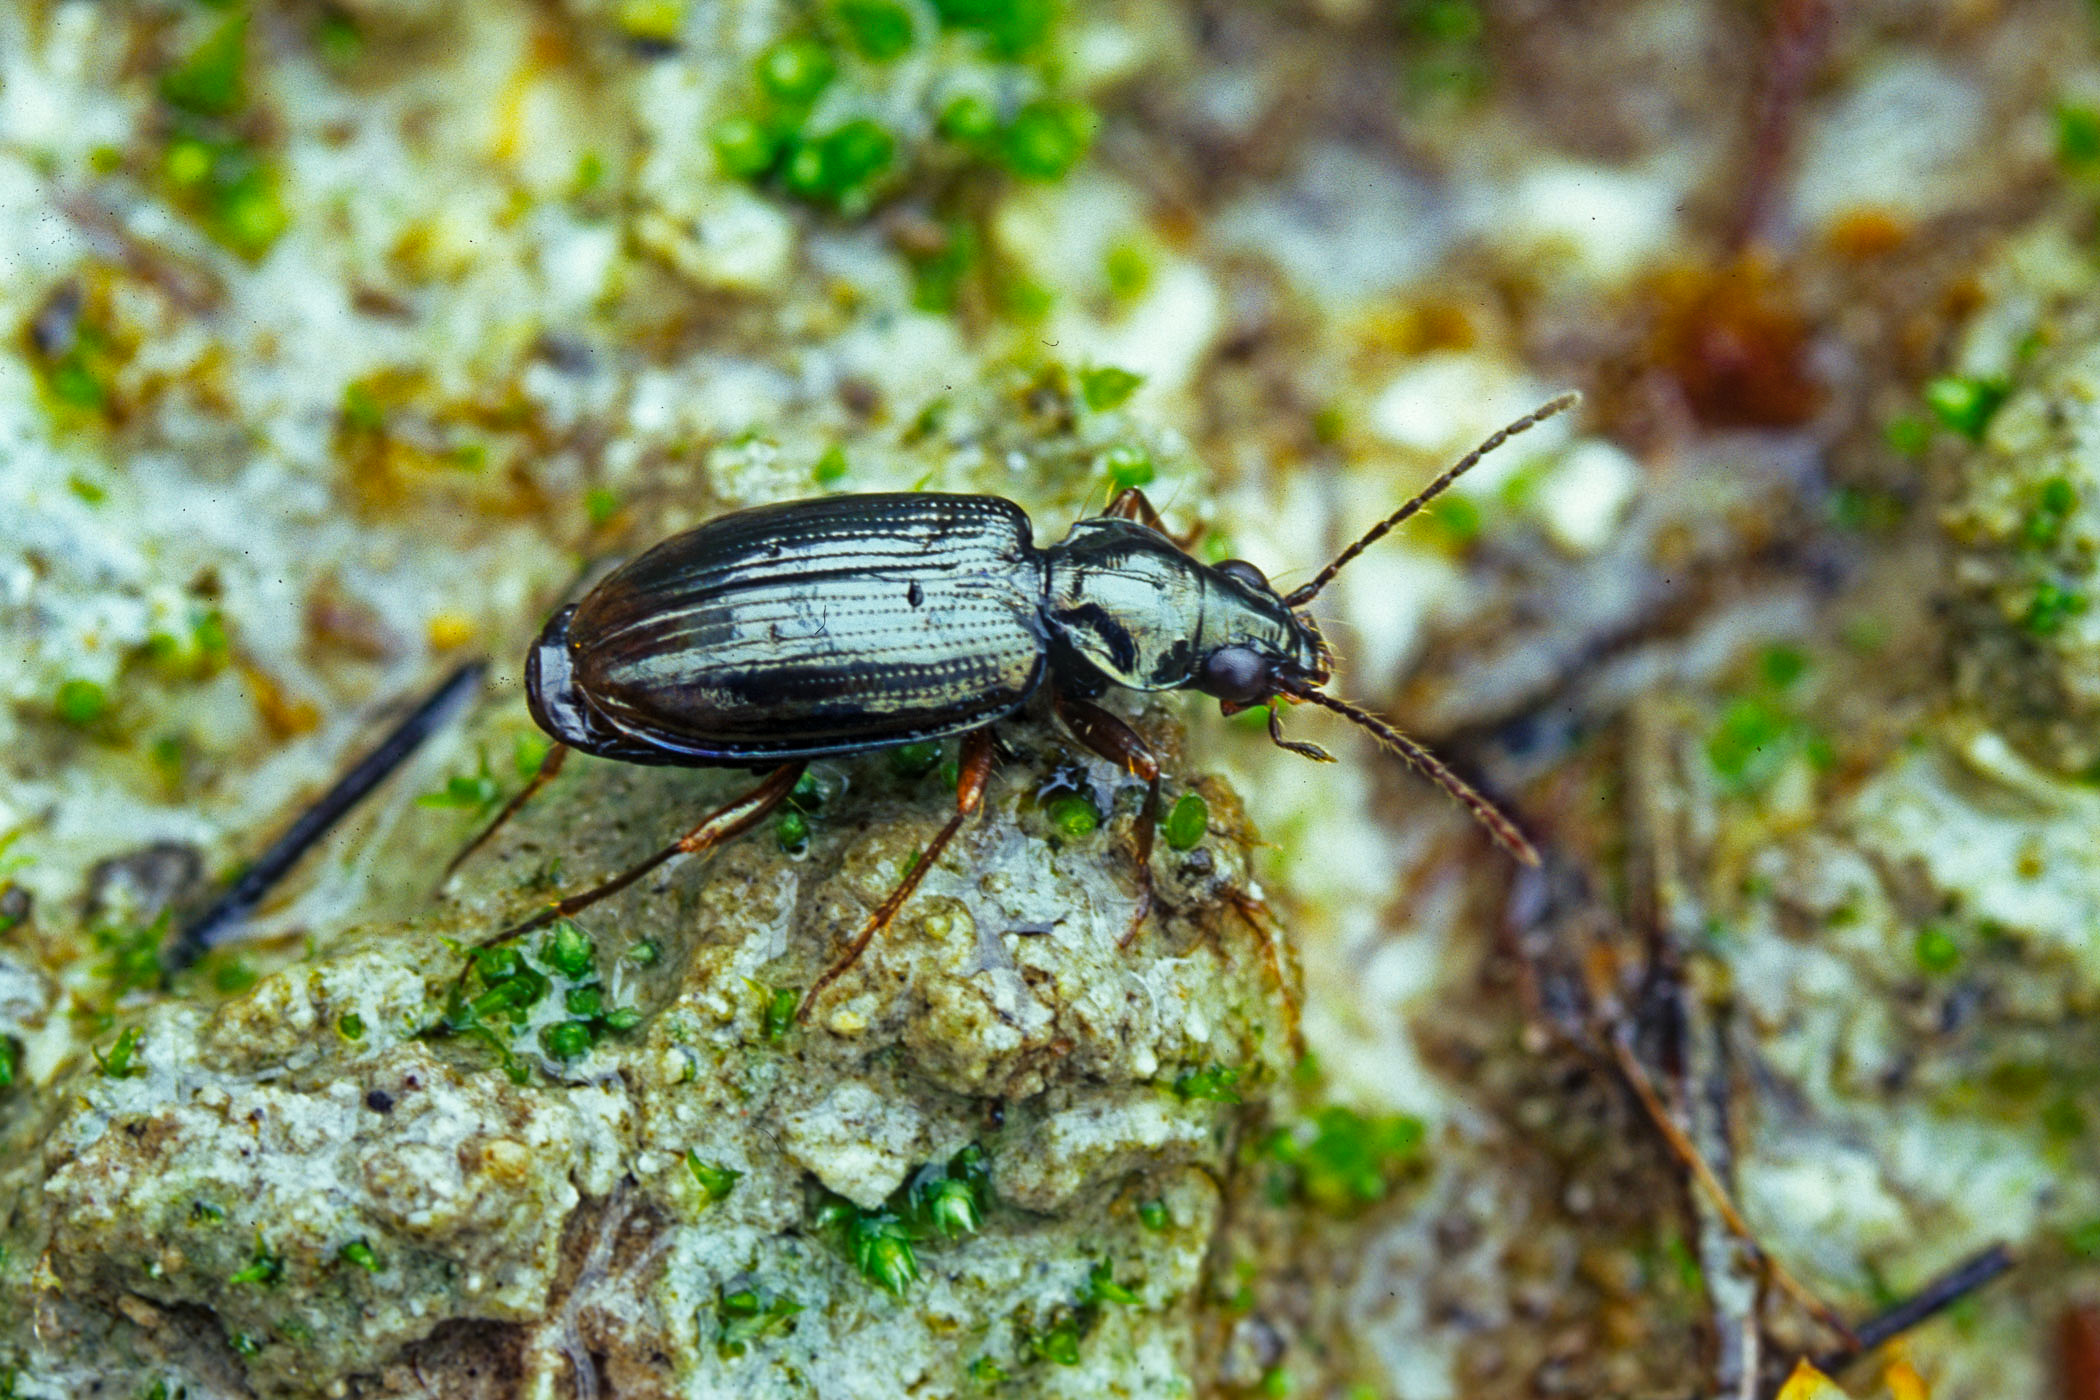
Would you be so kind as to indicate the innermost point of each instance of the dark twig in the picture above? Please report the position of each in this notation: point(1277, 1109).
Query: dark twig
point(210, 928)
point(1934, 1298)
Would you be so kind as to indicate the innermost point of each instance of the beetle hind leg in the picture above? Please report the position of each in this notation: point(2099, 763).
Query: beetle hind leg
point(730, 819)
point(1126, 748)
point(974, 776)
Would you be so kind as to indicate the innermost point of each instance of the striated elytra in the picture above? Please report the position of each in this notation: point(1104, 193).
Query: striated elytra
point(776, 635)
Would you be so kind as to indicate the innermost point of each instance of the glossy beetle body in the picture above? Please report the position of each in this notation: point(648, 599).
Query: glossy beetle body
point(773, 636)
point(855, 622)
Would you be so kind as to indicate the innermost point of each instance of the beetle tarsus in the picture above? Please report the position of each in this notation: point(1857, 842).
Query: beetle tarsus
point(549, 766)
point(1296, 746)
point(974, 775)
point(1126, 748)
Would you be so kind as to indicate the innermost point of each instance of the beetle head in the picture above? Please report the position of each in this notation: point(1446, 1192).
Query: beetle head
point(1283, 651)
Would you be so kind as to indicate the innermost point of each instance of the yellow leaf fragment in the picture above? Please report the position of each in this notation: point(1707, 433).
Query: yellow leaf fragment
point(1904, 1382)
point(1807, 1383)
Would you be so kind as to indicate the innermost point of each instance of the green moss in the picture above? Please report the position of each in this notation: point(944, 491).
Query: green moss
point(1213, 1084)
point(2052, 510)
point(600, 505)
point(2078, 137)
point(938, 1202)
point(830, 470)
point(229, 188)
point(745, 1315)
point(81, 702)
point(879, 30)
point(10, 1061)
point(746, 147)
point(969, 119)
point(1153, 1215)
point(209, 81)
point(350, 1026)
point(1107, 387)
point(1936, 950)
point(780, 1013)
point(1188, 823)
point(568, 1040)
point(468, 792)
point(360, 1254)
point(132, 956)
point(911, 761)
point(716, 1180)
point(265, 1266)
point(1127, 465)
point(1072, 815)
point(567, 949)
point(1907, 434)
point(1965, 405)
point(1047, 138)
point(2050, 608)
point(1009, 28)
point(651, 21)
point(1340, 1161)
point(796, 71)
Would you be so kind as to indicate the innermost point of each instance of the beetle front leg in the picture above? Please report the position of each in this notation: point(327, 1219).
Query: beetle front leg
point(1131, 503)
point(973, 776)
point(730, 819)
point(1126, 748)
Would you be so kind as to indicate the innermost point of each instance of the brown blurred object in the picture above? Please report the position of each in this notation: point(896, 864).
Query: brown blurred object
point(1736, 343)
point(2078, 1352)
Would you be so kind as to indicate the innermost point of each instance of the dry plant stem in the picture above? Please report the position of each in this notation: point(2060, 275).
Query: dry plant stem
point(1687, 1153)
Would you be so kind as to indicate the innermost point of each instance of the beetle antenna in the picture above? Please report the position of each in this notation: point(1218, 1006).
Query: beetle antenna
point(1429, 766)
point(1306, 592)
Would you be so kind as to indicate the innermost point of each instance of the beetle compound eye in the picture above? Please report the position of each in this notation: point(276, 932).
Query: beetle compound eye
point(1246, 573)
point(1238, 674)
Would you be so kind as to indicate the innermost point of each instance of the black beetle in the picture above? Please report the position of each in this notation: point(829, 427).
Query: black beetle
point(784, 633)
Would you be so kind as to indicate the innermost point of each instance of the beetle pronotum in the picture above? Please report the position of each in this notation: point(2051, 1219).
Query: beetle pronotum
point(772, 636)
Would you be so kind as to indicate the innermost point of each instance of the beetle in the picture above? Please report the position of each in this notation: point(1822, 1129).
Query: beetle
point(775, 635)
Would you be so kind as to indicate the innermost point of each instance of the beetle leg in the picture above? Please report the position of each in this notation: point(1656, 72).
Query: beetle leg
point(975, 775)
point(1296, 746)
point(1125, 747)
point(549, 766)
point(730, 819)
point(1133, 504)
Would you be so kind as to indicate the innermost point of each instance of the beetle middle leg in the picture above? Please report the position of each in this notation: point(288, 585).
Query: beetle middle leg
point(975, 774)
point(549, 766)
point(730, 819)
point(1126, 748)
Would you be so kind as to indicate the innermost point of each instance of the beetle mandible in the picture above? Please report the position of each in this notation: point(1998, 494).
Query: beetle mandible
point(775, 635)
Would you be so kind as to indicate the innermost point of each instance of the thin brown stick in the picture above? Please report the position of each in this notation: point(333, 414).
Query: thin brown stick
point(1687, 1153)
